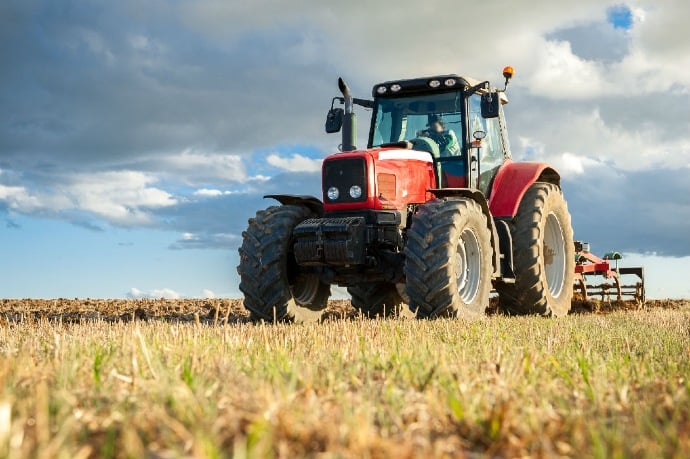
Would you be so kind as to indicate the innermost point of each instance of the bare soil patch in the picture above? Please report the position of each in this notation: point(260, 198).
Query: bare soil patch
point(224, 310)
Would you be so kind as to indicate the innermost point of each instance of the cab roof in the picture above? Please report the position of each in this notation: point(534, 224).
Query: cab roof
point(431, 84)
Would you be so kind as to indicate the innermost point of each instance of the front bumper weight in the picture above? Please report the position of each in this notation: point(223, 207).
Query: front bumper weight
point(331, 241)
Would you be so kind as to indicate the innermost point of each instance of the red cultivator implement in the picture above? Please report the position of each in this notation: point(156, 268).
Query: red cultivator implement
point(611, 286)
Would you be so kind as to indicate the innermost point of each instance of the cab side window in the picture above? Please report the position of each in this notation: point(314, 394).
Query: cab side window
point(492, 152)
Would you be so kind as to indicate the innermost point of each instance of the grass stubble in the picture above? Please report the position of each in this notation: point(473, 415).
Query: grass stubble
point(80, 379)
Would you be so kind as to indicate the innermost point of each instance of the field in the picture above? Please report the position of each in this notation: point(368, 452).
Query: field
point(191, 378)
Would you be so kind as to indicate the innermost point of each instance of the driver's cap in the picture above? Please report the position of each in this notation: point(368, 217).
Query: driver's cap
point(434, 119)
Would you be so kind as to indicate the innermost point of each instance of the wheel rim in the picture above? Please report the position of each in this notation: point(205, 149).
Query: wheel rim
point(468, 262)
point(554, 255)
point(305, 289)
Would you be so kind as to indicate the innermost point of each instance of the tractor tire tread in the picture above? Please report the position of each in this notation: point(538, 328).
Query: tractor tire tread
point(529, 294)
point(262, 268)
point(376, 299)
point(428, 253)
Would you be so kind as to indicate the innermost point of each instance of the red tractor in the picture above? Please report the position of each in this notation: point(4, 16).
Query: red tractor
point(433, 214)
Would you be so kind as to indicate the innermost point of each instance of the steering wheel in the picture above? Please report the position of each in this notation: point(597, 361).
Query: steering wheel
point(426, 144)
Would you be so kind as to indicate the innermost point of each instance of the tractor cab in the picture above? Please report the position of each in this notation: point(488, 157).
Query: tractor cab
point(455, 119)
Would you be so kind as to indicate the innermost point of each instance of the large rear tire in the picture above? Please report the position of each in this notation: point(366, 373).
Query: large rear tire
point(376, 299)
point(274, 287)
point(448, 260)
point(544, 255)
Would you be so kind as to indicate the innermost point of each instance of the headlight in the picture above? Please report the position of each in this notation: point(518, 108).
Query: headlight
point(434, 83)
point(381, 90)
point(395, 87)
point(355, 192)
point(333, 193)
point(450, 82)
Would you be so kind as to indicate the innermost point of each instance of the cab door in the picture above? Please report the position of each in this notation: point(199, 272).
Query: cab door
point(493, 149)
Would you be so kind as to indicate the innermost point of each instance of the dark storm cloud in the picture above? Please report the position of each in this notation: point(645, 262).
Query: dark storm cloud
point(667, 113)
point(599, 41)
point(640, 212)
point(88, 85)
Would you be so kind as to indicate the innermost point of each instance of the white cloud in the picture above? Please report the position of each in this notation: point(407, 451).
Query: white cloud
point(638, 14)
point(166, 293)
point(658, 59)
point(207, 192)
point(582, 132)
point(212, 193)
point(120, 197)
point(569, 164)
point(560, 74)
point(18, 198)
point(206, 293)
point(194, 166)
point(295, 163)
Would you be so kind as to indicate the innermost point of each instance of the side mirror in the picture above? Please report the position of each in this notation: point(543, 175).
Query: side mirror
point(490, 105)
point(334, 120)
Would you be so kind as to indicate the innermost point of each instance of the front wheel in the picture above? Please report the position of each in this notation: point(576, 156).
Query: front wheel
point(274, 287)
point(448, 259)
point(544, 255)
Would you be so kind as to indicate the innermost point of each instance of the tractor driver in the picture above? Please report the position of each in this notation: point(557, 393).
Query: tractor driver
point(446, 139)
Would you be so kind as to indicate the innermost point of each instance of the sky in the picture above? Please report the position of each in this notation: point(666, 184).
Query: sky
point(137, 137)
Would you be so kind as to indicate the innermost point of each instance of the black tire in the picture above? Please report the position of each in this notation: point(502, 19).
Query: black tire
point(274, 287)
point(448, 259)
point(376, 299)
point(544, 255)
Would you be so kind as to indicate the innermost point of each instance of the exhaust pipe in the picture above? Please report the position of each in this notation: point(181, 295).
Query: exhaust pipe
point(349, 119)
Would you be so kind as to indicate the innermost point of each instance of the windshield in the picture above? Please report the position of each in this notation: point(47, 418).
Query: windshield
point(422, 116)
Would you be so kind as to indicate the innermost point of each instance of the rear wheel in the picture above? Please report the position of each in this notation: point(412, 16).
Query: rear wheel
point(376, 299)
point(448, 260)
point(544, 255)
point(274, 287)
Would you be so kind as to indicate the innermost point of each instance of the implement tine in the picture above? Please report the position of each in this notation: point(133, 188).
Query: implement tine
point(637, 290)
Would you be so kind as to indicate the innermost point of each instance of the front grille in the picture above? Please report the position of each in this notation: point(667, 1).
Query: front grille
point(343, 174)
point(332, 241)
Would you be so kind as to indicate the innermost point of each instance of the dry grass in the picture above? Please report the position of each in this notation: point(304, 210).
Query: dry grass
point(82, 379)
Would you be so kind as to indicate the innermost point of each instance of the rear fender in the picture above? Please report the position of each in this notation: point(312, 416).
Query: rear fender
point(310, 202)
point(478, 196)
point(512, 182)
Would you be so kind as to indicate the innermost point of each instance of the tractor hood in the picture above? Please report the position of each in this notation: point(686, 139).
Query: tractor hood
point(376, 179)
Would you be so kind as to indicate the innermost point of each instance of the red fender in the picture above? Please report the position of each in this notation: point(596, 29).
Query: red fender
point(511, 183)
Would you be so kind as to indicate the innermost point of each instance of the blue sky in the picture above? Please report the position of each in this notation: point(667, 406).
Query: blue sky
point(620, 16)
point(136, 138)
